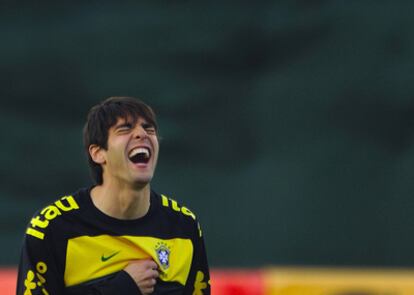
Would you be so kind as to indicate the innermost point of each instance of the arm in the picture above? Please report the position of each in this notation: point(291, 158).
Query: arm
point(38, 273)
point(137, 278)
point(198, 282)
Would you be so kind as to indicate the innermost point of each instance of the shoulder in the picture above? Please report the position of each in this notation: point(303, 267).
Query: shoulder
point(179, 215)
point(45, 219)
point(171, 205)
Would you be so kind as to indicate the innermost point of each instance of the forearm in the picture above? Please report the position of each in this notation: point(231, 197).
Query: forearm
point(119, 284)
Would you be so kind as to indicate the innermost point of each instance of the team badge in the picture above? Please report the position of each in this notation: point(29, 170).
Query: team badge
point(163, 254)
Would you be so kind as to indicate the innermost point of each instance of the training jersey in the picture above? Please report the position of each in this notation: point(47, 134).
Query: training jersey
point(71, 247)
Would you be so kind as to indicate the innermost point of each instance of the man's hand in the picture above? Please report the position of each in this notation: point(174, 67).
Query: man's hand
point(144, 272)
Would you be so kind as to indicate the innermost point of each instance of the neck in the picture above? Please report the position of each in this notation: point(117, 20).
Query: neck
point(122, 202)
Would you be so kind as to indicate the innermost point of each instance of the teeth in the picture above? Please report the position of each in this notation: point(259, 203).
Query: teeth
point(141, 150)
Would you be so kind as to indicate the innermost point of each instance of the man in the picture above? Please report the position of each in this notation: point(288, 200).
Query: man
point(118, 236)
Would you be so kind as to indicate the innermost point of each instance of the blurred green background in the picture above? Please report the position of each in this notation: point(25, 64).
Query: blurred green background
point(287, 125)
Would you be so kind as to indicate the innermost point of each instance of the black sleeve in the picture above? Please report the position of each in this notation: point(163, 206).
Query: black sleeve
point(38, 272)
point(198, 282)
point(120, 283)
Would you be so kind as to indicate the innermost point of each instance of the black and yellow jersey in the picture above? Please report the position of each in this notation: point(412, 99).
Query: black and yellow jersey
point(71, 247)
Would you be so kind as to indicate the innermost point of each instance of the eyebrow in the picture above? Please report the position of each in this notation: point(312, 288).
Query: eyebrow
point(131, 124)
point(147, 125)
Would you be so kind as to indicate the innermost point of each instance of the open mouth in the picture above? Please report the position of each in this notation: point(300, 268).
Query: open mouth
point(140, 155)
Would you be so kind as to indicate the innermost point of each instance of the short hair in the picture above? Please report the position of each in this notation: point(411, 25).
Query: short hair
point(103, 116)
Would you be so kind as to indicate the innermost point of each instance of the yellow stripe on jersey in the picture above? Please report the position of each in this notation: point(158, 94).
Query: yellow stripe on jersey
point(89, 258)
point(164, 201)
point(174, 205)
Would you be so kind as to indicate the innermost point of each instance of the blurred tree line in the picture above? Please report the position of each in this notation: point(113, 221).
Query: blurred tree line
point(287, 126)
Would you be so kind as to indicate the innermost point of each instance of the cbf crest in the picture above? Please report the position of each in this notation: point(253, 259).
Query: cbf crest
point(163, 254)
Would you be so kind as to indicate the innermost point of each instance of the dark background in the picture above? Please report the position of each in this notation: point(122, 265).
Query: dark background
point(287, 125)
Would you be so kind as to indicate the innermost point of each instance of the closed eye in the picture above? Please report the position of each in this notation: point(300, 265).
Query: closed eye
point(123, 127)
point(150, 129)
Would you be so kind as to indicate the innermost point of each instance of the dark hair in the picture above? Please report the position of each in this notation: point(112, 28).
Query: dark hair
point(103, 116)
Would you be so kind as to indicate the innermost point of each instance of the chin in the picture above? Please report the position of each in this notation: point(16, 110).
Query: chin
point(142, 181)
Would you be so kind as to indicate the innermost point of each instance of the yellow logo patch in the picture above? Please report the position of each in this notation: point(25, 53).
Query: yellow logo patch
point(49, 213)
point(199, 285)
point(174, 205)
point(29, 282)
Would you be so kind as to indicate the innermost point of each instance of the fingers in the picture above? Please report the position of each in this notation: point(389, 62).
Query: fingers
point(148, 284)
point(151, 264)
point(144, 273)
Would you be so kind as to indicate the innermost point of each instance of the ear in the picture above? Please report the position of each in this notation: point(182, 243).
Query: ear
point(97, 154)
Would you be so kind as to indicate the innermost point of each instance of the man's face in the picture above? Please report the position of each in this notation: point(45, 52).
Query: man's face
point(132, 153)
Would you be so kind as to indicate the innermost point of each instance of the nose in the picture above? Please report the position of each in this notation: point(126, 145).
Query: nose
point(140, 132)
